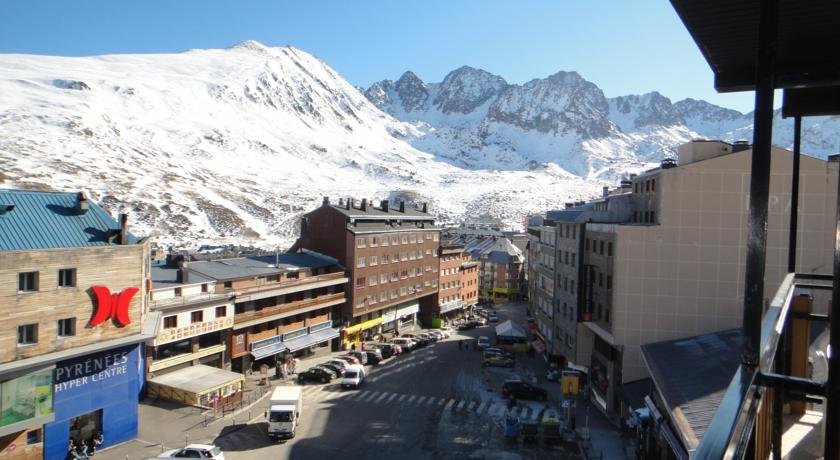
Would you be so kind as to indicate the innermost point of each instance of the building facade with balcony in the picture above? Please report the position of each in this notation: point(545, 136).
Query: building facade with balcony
point(447, 302)
point(73, 285)
point(468, 272)
point(187, 361)
point(676, 268)
point(391, 258)
point(282, 305)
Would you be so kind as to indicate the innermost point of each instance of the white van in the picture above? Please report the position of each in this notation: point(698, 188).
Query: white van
point(354, 375)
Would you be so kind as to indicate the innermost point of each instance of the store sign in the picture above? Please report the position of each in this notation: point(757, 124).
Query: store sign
point(318, 327)
point(91, 369)
point(294, 334)
point(113, 306)
point(177, 333)
point(265, 343)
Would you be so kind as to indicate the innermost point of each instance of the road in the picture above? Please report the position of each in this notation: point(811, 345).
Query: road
point(436, 402)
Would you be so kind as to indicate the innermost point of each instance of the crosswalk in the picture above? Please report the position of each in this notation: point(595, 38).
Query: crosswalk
point(491, 408)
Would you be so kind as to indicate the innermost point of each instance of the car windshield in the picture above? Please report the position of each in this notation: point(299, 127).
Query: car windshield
point(351, 374)
point(280, 417)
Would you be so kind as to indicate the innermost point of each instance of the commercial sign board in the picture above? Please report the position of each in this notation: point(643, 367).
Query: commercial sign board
point(26, 397)
point(266, 342)
point(112, 306)
point(294, 334)
point(192, 330)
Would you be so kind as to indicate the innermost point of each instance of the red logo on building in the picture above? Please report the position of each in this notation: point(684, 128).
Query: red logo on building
point(113, 306)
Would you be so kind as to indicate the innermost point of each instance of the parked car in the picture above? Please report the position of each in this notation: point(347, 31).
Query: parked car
point(467, 325)
point(523, 390)
point(483, 342)
point(497, 351)
point(387, 350)
point(405, 343)
point(493, 317)
point(353, 376)
point(335, 367)
point(438, 335)
point(317, 374)
point(497, 360)
point(374, 348)
point(350, 359)
point(429, 338)
point(360, 355)
point(195, 451)
point(419, 341)
point(372, 357)
point(445, 332)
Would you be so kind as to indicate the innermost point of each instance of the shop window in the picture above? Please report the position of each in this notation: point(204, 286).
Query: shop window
point(28, 281)
point(67, 277)
point(170, 322)
point(67, 327)
point(221, 312)
point(27, 334)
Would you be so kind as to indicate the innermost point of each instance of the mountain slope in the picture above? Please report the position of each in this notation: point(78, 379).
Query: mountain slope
point(231, 146)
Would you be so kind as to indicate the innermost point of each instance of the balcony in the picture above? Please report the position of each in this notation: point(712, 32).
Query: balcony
point(203, 299)
point(270, 313)
point(751, 421)
point(287, 286)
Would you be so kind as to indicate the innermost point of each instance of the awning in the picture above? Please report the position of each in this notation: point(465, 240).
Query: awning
point(268, 350)
point(362, 326)
point(308, 340)
point(198, 379)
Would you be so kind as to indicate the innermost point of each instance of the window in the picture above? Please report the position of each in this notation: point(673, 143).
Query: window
point(170, 322)
point(404, 239)
point(374, 260)
point(360, 262)
point(404, 256)
point(653, 217)
point(602, 247)
point(360, 282)
point(383, 241)
point(360, 242)
point(384, 259)
point(412, 238)
point(383, 278)
point(395, 240)
point(372, 281)
point(373, 241)
point(67, 277)
point(393, 293)
point(27, 334)
point(67, 327)
point(221, 312)
point(600, 279)
point(574, 262)
point(383, 296)
point(28, 281)
point(609, 249)
point(635, 216)
point(587, 244)
point(33, 436)
point(402, 291)
point(395, 276)
point(647, 185)
point(197, 316)
point(228, 285)
point(609, 281)
point(653, 185)
point(435, 236)
point(607, 315)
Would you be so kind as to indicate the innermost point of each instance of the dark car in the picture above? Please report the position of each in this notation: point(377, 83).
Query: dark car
point(421, 341)
point(387, 350)
point(339, 370)
point(467, 326)
point(523, 390)
point(373, 358)
point(317, 374)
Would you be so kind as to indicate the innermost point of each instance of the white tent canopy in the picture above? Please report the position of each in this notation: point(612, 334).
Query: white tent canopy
point(510, 330)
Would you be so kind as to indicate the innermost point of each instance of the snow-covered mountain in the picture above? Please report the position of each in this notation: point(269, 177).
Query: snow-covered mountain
point(233, 145)
point(566, 120)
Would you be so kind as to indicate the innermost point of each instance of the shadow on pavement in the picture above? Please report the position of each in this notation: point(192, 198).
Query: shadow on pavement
point(243, 437)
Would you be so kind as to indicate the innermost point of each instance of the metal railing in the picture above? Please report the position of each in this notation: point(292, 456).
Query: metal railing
point(739, 428)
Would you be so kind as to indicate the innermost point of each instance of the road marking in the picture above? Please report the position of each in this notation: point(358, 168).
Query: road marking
point(358, 394)
point(411, 399)
point(471, 406)
point(372, 396)
point(525, 412)
point(393, 395)
point(442, 401)
point(402, 397)
point(430, 401)
point(422, 400)
point(481, 407)
point(384, 395)
point(461, 405)
point(450, 403)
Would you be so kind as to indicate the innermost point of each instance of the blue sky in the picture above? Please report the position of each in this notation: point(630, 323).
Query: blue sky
point(625, 47)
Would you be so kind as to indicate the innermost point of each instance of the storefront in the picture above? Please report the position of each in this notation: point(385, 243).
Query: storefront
point(95, 392)
point(199, 385)
point(402, 317)
point(314, 339)
point(359, 332)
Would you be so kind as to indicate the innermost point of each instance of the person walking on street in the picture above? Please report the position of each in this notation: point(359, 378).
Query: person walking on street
point(460, 344)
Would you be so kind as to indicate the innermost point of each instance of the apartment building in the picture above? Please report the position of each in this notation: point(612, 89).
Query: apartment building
point(390, 255)
point(73, 294)
point(282, 305)
point(187, 361)
point(468, 290)
point(447, 302)
point(500, 274)
point(675, 268)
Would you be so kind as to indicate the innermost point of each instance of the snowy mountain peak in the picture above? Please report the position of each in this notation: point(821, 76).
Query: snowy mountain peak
point(638, 111)
point(412, 91)
point(466, 88)
point(251, 45)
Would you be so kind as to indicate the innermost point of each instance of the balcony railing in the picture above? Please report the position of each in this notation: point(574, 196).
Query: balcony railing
point(287, 283)
point(240, 318)
point(749, 420)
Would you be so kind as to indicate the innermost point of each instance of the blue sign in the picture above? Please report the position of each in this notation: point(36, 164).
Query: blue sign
point(266, 342)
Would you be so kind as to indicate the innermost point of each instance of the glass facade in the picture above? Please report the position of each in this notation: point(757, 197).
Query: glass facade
point(26, 397)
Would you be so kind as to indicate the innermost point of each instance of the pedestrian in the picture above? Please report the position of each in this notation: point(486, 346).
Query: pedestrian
point(460, 344)
point(353, 346)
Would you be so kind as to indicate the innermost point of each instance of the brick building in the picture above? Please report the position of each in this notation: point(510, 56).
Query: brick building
point(73, 294)
point(391, 258)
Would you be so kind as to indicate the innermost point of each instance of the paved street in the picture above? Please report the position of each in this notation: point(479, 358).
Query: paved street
point(436, 402)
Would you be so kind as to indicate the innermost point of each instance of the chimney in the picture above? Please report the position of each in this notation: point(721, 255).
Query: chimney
point(82, 203)
point(341, 201)
point(326, 201)
point(384, 205)
point(349, 203)
point(425, 208)
point(123, 228)
point(183, 269)
point(606, 191)
point(402, 206)
point(364, 204)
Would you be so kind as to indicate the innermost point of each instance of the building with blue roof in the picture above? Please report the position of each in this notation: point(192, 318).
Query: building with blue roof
point(73, 284)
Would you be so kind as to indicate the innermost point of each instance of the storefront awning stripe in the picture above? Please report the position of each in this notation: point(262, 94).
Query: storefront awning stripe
point(269, 350)
point(316, 337)
point(362, 326)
